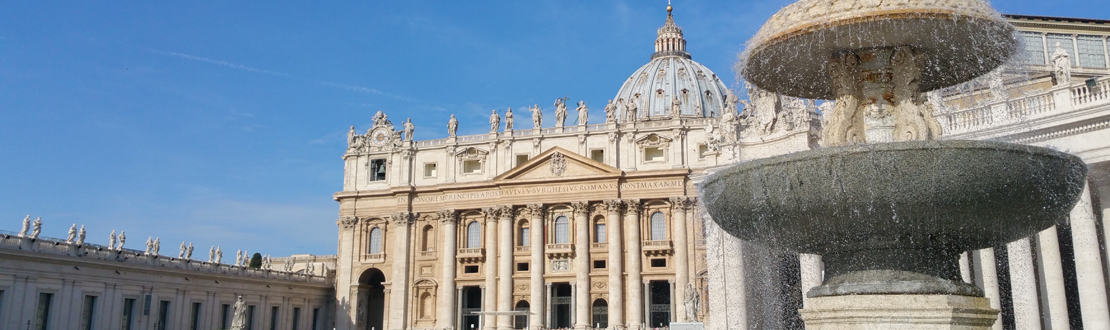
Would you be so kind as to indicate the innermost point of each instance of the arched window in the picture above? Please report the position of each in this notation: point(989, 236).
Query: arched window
point(473, 235)
point(562, 230)
point(524, 234)
point(658, 226)
point(600, 314)
point(599, 231)
point(427, 239)
point(375, 240)
point(520, 321)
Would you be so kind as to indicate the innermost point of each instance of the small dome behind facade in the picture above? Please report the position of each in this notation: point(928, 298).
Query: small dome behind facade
point(672, 73)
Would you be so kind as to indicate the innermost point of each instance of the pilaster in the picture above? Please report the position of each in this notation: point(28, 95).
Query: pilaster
point(402, 223)
point(447, 309)
point(635, 303)
point(679, 205)
point(615, 266)
point(581, 265)
point(505, 268)
point(536, 301)
point(489, 297)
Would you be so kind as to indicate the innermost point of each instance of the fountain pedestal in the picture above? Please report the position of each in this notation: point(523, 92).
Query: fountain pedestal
point(906, 312)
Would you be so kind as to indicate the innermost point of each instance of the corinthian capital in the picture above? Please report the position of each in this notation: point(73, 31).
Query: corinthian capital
point(681, 203)
point(536, 210)
point(614, 205)
point(401, 218)
point(633, 206)
point(448, 216)
point(347, 222)
point(506, 212)
point(581, 208)
point(491, 212)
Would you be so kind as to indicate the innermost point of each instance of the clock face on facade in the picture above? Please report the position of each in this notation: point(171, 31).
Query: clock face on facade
point(379, 136)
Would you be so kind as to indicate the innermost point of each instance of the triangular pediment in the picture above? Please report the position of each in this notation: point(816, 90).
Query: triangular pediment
point(558, 163)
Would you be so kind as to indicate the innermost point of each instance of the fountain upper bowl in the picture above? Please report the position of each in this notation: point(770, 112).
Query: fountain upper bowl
point(959, 39)
point(950, 195)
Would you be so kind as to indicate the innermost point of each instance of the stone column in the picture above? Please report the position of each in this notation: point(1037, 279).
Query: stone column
point(635, 303)
point(965, 267)
point(449, 223)
point(581, 265)
point(1053, 296)
point(402, 223)
point(505, 269)
point(489, 296)
point(679, 205)
point(1023, 285)
point(536, 301)
point(1088, 264)
point(812, 270)
point(985, 266)
point(616, 271)
point(346, 254)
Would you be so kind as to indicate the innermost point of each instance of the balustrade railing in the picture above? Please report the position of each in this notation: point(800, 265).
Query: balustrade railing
point(1080, 95)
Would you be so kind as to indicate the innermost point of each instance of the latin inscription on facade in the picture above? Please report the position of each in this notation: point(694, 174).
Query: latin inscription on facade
point(538, 190)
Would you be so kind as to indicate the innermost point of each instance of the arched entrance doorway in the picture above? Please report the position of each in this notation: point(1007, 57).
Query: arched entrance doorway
point(371, 300)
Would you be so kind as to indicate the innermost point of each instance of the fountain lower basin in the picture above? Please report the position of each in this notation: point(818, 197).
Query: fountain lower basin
point(893, 218)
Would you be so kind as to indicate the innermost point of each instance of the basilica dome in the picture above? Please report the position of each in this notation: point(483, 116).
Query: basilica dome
point(670, 74)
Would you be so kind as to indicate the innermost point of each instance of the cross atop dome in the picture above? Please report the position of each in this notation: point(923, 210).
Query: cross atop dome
point(670, 41)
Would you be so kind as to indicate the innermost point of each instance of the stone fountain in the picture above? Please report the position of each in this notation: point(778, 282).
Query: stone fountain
point(888, 206)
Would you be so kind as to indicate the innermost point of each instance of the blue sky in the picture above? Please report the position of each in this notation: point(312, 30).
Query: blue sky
point(224, 122)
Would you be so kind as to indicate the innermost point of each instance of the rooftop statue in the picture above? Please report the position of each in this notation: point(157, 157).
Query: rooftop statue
point(610, 112)
point(1061, 65)
point(452, 126)
point(72, 233)
point(509, 120)
point(631, 108)
point(157, 245)
point(537, 116)
point(189, 251)
point(122, 239)
point(149, 244)
point(219, 254)
point(409, 128)
point(81, 236)
point(676, 107)
point(583, 113)
point(560, 112)
point(112, 240)
point(26, 226)
point(211, 254)
point(181, 254)
point(36, 227)
point(494, 121)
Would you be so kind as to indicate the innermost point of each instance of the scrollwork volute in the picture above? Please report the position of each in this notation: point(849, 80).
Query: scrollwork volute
point(448, 216)
point(581, 208)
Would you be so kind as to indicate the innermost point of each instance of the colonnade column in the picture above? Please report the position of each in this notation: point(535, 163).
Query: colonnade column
point(679, 205)
point(402, 224)
point(985, 265)
point(347, 251)
point(616, 271)
point(536, 301)
point(489, 297)
point(449, 225)
point(635, 302)
point(505, 269)
point(1088, 264)
point(1023, 285)
point(581, 265)
point(1055, 299)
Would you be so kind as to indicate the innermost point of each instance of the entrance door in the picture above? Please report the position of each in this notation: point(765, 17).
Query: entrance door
point(660, 304)
point(560, 305)
point(471, 302)
point(371, 301)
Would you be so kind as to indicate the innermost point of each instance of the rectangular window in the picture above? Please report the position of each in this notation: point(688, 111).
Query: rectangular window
point(273, 317)
point(703, 150)
point(521, 159)
point(470, 269)
point(598, 155)
point(163, 314)
point(194, 323)
point(1091, 53)
point(87, 313)
point(225, 316)
point(472, 166)
point(522, 266)
point(1065, 42)
point(430, 170)
point(524, 236)
point(599, 264)
point(1032, 51)
point(659, 262)
point(654, 155)
point(42, 314)
point(599, 233)
point(377, 170)
point(315, 319)
point(129, 313)
point(296, 318)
